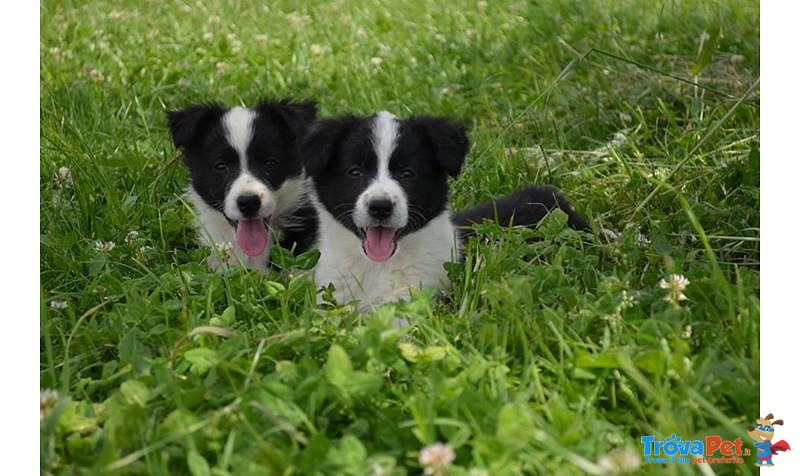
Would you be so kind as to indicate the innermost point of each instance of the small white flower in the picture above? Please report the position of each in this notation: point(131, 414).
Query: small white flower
point(261, 39)
point(132, 236)
point(675, 284)
point(436, 458)
point(642, 239)
point(208, 37)
point(482, 6)
point(625, 117)
point(477, 472)
point(48, 398)
point(376, 61)
point(316, 49)
point(221, 67)
point(687, 332)
point(214, 19)
point(224, 251)
point(59, 304)
point(116, 15)
point(104, 246)
point(360, 32)
point(95, 76)
point(298, 21)
point(621, 460)
point(63, 178)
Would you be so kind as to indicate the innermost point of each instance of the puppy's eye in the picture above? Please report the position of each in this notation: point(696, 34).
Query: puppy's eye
point(221, 167)
point(407, 174)
point(354, 171)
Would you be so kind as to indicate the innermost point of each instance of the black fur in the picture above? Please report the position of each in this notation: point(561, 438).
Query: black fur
point(526, 207)
point(427, 151)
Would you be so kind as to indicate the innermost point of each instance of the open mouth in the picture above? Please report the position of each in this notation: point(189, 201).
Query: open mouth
point(252, 235)
point(379, 243)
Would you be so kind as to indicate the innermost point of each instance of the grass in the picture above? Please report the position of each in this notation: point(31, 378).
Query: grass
point(550, 354)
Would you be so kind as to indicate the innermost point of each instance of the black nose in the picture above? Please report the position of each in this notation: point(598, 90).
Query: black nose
point(381, 209)
point(248, 204)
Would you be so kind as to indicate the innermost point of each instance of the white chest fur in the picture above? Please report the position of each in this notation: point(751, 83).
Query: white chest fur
point(417, 263)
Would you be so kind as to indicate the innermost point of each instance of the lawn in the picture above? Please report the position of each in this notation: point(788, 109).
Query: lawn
point(555, 352)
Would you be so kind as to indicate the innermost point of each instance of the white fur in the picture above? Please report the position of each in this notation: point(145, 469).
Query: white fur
point(238, 126)
point(385, 131)
point(214, 231)
point(417, 263)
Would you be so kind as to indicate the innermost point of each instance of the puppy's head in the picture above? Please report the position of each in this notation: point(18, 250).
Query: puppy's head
point(240, 159)
point(383, 178)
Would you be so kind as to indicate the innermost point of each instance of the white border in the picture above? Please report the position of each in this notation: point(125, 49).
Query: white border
point(780, 246)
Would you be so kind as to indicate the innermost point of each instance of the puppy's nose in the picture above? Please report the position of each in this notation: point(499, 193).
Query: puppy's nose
point(381, 209)
point(248, 204)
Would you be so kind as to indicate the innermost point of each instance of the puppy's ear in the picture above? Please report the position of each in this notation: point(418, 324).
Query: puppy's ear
point(322, 142)
point(296, 116)
point(768, 417)
point(449, 141)
point(777, 422)
point(187, 124)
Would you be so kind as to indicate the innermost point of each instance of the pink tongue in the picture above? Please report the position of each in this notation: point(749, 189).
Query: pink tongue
point(252, 236)
point(379, 244)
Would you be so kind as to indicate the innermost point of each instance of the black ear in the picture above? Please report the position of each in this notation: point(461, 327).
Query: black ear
point(449, 141)
point(296, 116)
point(322, 141)
point(186, 125)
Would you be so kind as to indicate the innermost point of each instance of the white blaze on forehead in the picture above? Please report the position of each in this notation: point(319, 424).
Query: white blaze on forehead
point(238, 124)
point(385, 130)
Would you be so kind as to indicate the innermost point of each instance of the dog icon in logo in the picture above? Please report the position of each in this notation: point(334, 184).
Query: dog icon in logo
point(762, 434)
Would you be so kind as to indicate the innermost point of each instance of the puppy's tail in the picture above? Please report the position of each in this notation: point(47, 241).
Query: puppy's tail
point(526, 207)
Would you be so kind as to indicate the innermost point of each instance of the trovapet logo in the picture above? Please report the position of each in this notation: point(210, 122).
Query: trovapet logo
point(675, 450)
point(762, 434)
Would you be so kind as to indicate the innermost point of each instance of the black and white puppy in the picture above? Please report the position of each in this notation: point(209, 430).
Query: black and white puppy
point(380, 191)
point(381, 194)
point(246, 178)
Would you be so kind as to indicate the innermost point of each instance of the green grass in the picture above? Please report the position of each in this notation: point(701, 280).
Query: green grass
point(550, 353)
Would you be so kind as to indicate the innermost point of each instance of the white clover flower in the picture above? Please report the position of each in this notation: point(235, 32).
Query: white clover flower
point(48, 398)
point(208, 36)
point(224, 251)
point(214, 20)
point(687, 332)
point(104, 246)
point(436, 458)
point(63, 178)
point(482, 6)
point(316, 49)
point(621, 460)
point(132, 236)
point(261, 39)
point(59, 304)
point(675, 284)
point(298, 21)
point(376, 61)
point(95, 76)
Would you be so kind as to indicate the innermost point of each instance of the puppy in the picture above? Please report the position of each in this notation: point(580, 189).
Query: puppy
point(246, 178)
point(380, 191)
